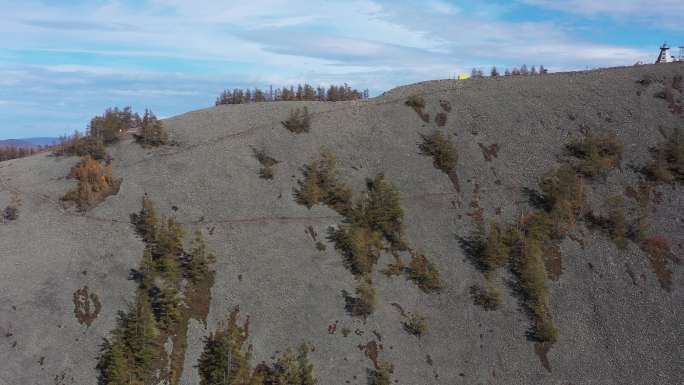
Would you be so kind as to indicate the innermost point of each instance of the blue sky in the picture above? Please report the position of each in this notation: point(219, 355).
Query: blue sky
point(64, 61)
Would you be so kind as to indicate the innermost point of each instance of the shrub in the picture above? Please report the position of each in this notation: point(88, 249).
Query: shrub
point(415, 102)
point(266, 173)
point(495, 252)
point(614, 224)
point(418, 104)
point(360, 246)
point(321, 185)
point(446, 105)
point(365, 301)
point(530, 270)
point(10, 213)
point(380, 210)
point(290, 368)
point(424, 274)
point(564, 197)
point(668, 164)
point(597, 155)
point(299, 121)
point(267, 163)
point(415, 324)
point(95, 183)
point(80, 146)
point(489, 298)
point(152, 132)
point(441, 149)
point(382, 375)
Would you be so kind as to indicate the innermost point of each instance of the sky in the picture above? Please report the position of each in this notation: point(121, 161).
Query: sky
point(65, 61)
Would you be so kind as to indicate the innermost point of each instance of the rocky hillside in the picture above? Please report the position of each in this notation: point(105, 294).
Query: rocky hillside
point(518, 230)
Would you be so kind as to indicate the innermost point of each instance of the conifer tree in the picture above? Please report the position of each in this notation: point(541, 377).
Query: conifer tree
point(223, 362)
point(494, 73)
point(199, 260)
point(139, 332)
point(146, 221)
point(112, 364)
point(152, 132)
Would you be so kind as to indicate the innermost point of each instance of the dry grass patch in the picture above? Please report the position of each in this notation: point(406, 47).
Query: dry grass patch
point(415, 324)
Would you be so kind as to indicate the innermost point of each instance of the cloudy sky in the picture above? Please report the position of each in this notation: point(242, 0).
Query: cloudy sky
point(63, 61)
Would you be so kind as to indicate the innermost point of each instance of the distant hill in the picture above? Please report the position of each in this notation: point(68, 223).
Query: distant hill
point(28, 142)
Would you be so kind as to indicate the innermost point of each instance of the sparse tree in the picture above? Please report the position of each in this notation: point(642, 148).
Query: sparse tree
point(494, 72)
point(524, 71)
point(152, 132)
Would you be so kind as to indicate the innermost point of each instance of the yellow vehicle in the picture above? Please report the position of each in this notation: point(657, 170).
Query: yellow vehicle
point(463, 76)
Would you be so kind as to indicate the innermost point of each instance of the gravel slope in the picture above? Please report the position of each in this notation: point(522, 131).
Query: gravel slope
point(614, 329)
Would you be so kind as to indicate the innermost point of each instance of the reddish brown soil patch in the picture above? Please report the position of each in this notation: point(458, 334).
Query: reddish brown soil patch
point(87, 306)
point(489, 152)
point(658, 250)
point(453, 177)
point(371, 350)
point(553, 261)
point(441, 119)
point(542, 349)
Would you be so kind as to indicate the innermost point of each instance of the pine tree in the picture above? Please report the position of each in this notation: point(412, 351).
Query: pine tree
point(112, 364)
point(306, 376)
point(153, 133)
point(524, 71)
point(146, 221)
point(507, 73)
point(223, 362)
point(494, 73)
point(533, 71)
point(199, 260)
point(139, 332)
